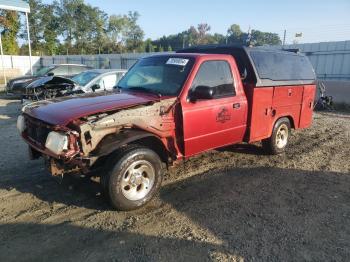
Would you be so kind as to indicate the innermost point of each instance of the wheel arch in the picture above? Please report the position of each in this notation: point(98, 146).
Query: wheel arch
point(291, 120)
point(269, 143)
point(112, 142)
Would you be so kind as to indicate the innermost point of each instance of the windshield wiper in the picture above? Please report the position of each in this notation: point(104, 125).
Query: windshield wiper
point(143, 89)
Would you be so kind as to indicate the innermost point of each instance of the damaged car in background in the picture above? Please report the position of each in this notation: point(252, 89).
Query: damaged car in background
point(95, 80)
point(17, 86)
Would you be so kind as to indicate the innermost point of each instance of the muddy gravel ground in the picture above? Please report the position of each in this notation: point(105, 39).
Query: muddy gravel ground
point(233, 204)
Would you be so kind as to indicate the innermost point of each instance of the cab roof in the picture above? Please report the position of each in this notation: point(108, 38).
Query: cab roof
point(193, 55)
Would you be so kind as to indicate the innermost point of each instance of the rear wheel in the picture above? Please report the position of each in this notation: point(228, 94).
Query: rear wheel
point(134, 178)
point(278, 141)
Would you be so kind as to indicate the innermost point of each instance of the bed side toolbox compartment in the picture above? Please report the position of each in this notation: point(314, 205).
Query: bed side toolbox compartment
point(307, 106)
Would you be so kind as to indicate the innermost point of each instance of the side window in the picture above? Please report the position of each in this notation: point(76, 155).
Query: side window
point(74, 70)
point(218, 75)
point(108, 82)
point(282, 66)
point(61, 70)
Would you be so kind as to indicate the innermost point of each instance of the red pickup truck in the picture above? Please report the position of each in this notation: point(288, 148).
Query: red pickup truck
point(169, 107)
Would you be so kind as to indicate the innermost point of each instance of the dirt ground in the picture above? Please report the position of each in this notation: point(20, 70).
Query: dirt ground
point(233, 204)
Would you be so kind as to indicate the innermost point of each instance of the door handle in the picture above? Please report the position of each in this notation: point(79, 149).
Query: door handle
point(236, 105)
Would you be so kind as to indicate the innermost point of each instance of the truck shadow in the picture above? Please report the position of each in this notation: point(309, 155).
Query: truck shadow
point(68, 242)
point(70, 191)
point(266, 213)
point(250, 149)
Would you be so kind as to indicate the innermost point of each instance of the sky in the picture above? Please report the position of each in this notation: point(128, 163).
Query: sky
point(317, 20)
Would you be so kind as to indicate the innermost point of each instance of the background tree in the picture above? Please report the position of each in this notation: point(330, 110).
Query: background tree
point(36, 28)
point(116, 31)
point(259, 38)
point(100, 28)
point(134, 34)
point(202, 35)
point(74, 27)
point(235, 35)
point(89, 28)
point(192, 36)
point(217, 39)
point(149, 48)
point(50, 36)
point(66, 11)
point(10, 26)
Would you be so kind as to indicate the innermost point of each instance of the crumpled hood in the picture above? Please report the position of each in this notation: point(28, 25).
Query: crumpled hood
point(63, 110)
point(50, 80)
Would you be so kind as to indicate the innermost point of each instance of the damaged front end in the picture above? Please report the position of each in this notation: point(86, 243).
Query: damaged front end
point(57, 145)
point(49, 87)
point(83, 144)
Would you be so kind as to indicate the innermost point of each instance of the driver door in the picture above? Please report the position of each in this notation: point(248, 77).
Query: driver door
point(216, 122)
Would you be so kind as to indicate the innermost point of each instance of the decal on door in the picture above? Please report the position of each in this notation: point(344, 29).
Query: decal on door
point(223, 115)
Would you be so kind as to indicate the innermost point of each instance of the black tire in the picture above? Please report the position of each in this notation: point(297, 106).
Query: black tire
point(270, 144)
point(113, 180)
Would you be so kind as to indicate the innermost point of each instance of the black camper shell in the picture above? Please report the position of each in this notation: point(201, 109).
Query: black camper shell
point(264, 67)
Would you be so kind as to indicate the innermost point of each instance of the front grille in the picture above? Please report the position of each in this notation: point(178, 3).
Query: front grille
point(37, 131)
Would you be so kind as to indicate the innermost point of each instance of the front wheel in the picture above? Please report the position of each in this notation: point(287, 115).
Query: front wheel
point(278, 141)
point(134, 178)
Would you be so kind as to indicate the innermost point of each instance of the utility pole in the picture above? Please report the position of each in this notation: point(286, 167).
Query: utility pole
point(30, 48)
point(2, 60)
point(249, 36)
point(284, 37)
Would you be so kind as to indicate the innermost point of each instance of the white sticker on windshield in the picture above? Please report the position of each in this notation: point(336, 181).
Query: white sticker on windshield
point(177, 61)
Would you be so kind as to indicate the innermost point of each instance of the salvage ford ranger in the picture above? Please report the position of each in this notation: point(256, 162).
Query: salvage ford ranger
point(167, 108)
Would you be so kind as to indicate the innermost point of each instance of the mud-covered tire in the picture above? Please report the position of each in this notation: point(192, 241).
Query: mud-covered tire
point(278, 141)
point(134, 177)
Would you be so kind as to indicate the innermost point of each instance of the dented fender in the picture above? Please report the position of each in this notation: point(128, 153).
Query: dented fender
point(140, 121)
point(112, 142)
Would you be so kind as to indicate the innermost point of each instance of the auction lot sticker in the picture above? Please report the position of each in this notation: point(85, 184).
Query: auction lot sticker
point(177, 61)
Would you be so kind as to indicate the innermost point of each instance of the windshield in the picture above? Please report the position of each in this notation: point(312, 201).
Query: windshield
point(43, 71)
point(164, 75)
point(83, 78)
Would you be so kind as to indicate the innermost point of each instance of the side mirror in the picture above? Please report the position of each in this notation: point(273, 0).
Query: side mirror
point(95, 87)
point(202, 92)
point(51, 74)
